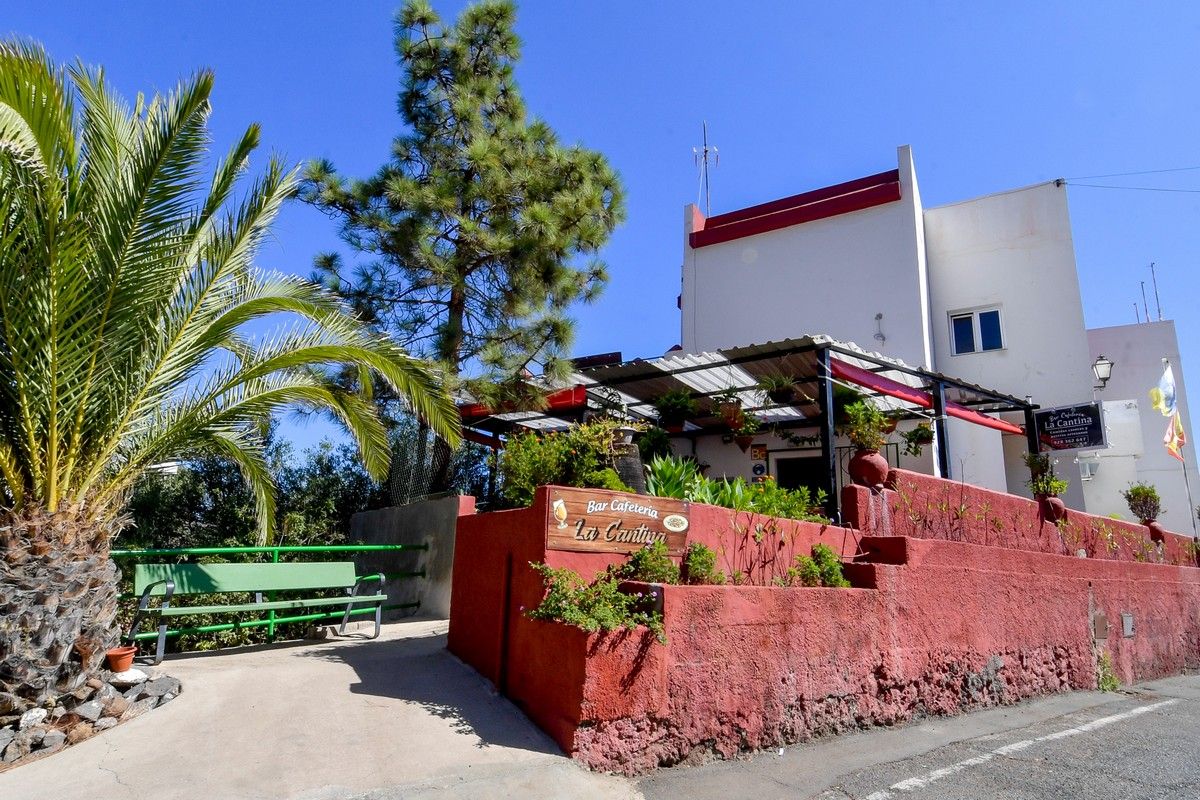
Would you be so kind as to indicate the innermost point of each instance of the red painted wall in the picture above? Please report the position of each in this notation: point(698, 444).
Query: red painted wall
point(933, 626)
point(926, 507)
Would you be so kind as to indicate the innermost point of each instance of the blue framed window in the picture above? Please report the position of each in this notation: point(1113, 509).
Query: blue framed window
point(976, 331)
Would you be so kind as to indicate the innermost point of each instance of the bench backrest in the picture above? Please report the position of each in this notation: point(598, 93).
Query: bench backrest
point(216, 578)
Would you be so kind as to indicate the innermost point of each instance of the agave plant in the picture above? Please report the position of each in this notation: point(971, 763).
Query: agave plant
point(126, 289)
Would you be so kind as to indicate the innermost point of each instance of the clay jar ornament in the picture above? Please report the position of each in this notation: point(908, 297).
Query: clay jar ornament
point(1157, 532)
point(1052, 506)
point(868, 468)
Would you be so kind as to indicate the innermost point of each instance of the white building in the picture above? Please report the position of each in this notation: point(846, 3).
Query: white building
point(985, 290)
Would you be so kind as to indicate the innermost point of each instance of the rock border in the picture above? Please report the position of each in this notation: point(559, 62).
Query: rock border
point(104, 702)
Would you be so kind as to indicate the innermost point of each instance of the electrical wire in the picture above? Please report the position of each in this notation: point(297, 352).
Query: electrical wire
point(1125, 174)
point(1133, 188)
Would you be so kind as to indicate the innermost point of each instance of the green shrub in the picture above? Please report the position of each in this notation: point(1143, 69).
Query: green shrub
point(675, 406)
point(679, 478)
point(650, 564)
point(654, 442)
point(1144, 502)
point(595, 606)
point(804, 572)
point(700, 566)
point(865, 425)
point(1043, 482)
point(829, 565)
point(1106, 679)
point(582, 456)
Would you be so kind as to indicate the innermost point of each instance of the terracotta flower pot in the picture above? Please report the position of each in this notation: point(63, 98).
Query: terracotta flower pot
point(1053, 508)
point(673, 427)
point(1157, 532)
point(868, 468)
point(744, 442)
point(731, 413)
point(121, 658)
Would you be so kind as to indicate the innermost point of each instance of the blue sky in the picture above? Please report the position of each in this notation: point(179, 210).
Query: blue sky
point(797, 95)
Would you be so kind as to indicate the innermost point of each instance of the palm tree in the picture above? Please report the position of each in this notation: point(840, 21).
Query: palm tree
point(126, 289)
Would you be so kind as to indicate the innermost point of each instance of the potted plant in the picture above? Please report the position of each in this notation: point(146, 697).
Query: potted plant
point(917, 439)
point(729, 406)
point(121, 658)
point(1145, 504)
point(674, 407)
point(780, 388)
point(843, 398)
point(865, 425)
point(743, 434)
point(1046, 486)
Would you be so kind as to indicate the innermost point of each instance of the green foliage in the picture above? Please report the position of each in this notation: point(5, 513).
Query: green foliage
point(1143, 500)
point(675, 406)
point(483, 229)
point(680, 478)
point(129, 293)
point(652, 443)
point(776, 382)
point(917, 438)
point(700, 566)
point(748, 425)
point(583, 455)
point(650, 564)
point(829, 566)
point(865, 425)
point(1043, 482)
point(803, 572)
point(1106, 678)
point(595, 606)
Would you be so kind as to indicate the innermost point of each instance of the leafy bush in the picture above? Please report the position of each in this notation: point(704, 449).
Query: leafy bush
point(1043, 482)
point(675, 406)
point(822, 568)
point(865, 425)
point(1106, 679)
point(1143, 500)
point(650, 564)
point(829, 565)
point(583, 456)
point(700, 566)
point(595, 606)
point(654, 442)
point(917, 438)
point(678, 478)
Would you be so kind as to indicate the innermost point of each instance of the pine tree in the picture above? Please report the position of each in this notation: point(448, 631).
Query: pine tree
point(482, 230)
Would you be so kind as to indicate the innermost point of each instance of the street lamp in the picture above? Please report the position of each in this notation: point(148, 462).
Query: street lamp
point(1102, 369)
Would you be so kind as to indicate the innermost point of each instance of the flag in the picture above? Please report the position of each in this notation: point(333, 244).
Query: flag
point(1174, 438)
point(1163, 395)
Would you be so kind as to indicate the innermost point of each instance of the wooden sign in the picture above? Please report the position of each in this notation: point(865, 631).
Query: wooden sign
point(599, 521)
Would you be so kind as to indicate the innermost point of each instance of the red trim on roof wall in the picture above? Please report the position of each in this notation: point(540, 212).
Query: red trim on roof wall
point(831, 201)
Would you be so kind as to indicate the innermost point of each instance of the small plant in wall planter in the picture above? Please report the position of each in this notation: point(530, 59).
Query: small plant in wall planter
point(865, 426)
point(1046, 486)
point(729, 406)
point(1145, 505)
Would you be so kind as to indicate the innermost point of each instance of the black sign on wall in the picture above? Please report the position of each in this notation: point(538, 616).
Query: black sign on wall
point(1079, 427)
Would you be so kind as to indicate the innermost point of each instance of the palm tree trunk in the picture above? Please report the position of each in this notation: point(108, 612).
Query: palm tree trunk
point(58, 604)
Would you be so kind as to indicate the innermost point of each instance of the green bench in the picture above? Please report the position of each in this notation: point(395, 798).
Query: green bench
point(174, 580)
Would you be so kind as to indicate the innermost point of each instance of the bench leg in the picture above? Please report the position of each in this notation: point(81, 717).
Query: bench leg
point(378, 619)
point(161, 645)
point(345, 619)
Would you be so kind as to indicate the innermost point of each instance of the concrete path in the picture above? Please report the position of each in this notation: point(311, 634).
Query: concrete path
point(318, 721)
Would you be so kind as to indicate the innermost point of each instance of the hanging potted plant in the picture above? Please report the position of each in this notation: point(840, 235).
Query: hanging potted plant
point(917, 439)
point(729, 407)
point(743, 435)
point(1046, 486)
point(1145, 504)
point(780, 388)
point(865, 425)
point(674, 407)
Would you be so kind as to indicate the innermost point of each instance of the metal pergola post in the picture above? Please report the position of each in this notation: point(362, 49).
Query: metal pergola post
point(828, 452)
point(1031, 437)
point(938, 393)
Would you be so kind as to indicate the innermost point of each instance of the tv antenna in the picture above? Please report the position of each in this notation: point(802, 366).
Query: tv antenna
point(1154, 280)
point(703, 155)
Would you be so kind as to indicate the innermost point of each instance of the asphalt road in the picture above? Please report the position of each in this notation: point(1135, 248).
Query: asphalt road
point(1137, 745)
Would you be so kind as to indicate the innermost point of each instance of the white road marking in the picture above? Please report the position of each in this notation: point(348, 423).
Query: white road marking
point(921, 781)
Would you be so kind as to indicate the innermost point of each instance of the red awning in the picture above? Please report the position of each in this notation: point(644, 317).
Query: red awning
point(870, 380)
point(564, 400)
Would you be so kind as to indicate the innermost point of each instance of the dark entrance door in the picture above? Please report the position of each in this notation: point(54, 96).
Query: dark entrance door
point(792, 473)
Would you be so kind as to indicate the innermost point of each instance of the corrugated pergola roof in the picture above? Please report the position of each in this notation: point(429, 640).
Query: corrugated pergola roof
point(638, 383)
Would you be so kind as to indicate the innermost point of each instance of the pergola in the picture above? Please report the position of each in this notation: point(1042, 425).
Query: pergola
point(815, 363)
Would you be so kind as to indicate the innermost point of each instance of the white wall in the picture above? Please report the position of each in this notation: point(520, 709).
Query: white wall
point(1137, 352)
point(1116, 466)
point(829, 276)
point(1013, 250)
